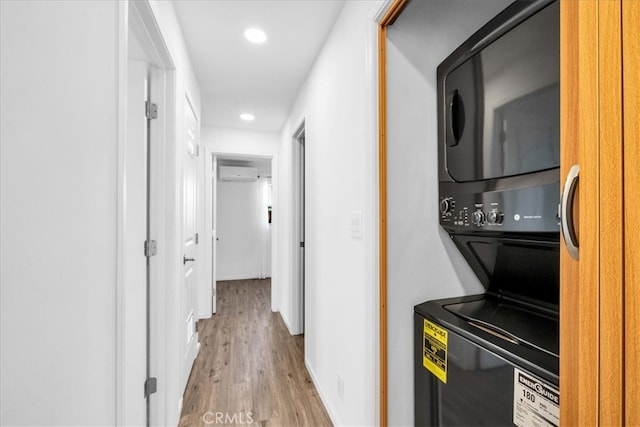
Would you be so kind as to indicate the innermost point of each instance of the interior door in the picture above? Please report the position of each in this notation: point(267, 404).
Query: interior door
point(214, 234)
point(301, 225)
point(135, 223)
point(190, 293)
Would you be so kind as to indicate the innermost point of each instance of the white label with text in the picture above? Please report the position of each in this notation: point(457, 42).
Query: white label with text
point(535, 403)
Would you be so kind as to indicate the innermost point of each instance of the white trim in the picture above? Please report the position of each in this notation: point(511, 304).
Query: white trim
point(274, 231)
point(377, 17)
point(139, 17)
point(321, 394)
point(206, 303)
point(123, 57)
point(373, 379)
point(208, 236)
point(253, 276)
point(297, 300)
point(161, 93)
point(153, 42)
point(172, 249)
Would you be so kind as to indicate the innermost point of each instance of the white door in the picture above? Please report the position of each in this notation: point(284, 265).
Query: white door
point(134, 351)
point(214, 234)
point(190, 293)
point(301, 234)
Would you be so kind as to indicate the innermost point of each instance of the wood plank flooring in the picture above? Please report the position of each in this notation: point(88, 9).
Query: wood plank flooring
point(249, 369)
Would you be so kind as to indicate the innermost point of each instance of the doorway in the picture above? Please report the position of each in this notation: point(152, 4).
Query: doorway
point(239, 219)
point(146, 100)
point(136, 230)
point(299, 224)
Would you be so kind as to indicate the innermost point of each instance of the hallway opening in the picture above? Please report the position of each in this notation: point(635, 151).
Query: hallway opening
point(237, 207)
point(250, 369)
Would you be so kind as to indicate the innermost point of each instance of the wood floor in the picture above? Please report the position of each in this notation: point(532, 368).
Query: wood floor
point(249, 369)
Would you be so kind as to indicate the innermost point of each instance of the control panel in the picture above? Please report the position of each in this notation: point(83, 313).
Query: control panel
point(478, 214)
point(522, 210)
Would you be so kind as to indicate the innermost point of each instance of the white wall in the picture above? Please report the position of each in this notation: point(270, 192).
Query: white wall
point(243, 231)
point(59, 124)
point(423, 263)
point(59, 134)
point(338, 105)
point(240, 141)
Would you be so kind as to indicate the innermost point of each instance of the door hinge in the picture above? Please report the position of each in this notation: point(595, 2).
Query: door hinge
point(150, 248)
point(213, 292)
point(302, 244)
point(197, 150)
point(150, 386)
point(151, 110)
point(197, 238)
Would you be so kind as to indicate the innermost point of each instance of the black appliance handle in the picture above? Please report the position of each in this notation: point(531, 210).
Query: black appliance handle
point(566, 211)
point(455, 118)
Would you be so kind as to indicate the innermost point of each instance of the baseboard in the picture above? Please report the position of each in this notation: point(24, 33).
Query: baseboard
point(290, 329)
point(286, 323)
point(202, 316)
point(238, 277)
point(330, 411)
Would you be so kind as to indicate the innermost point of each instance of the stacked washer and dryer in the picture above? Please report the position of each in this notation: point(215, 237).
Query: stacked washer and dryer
point(492, 359)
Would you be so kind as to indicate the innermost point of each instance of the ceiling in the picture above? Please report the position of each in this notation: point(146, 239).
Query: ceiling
point(236, 76)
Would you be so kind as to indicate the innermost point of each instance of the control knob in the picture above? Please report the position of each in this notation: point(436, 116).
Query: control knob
point(446, 205)
point(478, 217)
point(494, 217)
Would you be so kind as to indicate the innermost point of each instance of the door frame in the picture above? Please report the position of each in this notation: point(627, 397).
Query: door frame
point(297, 233)
point(210, 204)
point(389, 12)
point(210, 227)
point(139, 17)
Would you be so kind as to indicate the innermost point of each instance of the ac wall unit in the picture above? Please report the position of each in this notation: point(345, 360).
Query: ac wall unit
point(237, 173)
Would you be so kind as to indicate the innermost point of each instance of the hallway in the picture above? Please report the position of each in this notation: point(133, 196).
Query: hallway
point(249, 369)
point(139, 346)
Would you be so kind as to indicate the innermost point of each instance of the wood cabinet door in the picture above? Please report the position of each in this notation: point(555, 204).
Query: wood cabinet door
point(631, 130)
point(610, 214)
point(579, 279)
point(599, 293)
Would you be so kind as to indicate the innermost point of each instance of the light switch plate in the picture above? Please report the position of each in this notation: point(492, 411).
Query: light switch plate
point(356, 224)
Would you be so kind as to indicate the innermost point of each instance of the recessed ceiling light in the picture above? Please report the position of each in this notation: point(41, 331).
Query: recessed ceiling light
point(255, 35)
point(247, 117)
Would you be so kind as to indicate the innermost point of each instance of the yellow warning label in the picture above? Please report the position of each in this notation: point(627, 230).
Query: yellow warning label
point(434, 350)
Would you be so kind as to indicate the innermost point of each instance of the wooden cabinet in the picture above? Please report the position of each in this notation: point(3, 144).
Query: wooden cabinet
point(631, 130)
point(600, 292)
point(600, 131)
